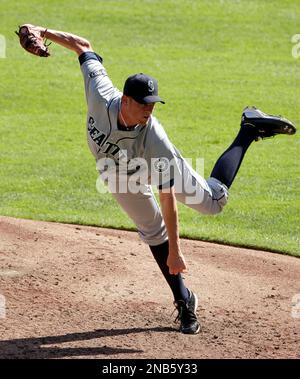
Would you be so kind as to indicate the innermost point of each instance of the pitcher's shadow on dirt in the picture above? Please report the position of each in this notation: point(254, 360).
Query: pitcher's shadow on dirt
point(34, 347)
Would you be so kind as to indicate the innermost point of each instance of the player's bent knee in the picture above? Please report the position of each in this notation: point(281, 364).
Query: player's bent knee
point(219, 194)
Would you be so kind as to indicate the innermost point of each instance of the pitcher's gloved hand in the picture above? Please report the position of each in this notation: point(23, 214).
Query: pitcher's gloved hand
point(32, 39)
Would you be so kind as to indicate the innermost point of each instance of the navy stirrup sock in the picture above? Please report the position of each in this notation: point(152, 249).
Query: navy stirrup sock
point(160, 254)
point(229, 162)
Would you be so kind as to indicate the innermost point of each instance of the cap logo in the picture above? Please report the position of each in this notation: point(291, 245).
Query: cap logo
point(150, 85)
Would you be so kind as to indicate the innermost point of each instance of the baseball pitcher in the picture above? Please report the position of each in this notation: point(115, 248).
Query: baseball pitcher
point(133, 153)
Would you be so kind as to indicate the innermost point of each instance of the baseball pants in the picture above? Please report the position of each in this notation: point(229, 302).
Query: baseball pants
point(206, 197)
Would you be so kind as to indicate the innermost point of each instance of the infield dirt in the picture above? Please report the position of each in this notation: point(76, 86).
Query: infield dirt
point(71, 291)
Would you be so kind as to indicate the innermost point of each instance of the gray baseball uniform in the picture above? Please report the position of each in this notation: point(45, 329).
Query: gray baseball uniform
point(140, 157)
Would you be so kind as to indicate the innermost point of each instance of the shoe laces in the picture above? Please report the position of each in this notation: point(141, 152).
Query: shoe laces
point(185, 313)
point(178, 308)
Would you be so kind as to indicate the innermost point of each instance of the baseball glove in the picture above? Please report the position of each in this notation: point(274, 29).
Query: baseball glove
point(32, 40)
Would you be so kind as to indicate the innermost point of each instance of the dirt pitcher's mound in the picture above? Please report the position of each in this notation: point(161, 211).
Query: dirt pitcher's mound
point(73, 291)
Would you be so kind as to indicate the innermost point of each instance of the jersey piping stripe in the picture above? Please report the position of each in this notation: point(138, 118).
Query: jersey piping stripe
point(110, 127)
point(108, 115)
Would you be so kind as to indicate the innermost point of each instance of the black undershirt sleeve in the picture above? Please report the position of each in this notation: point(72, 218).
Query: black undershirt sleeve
point(166, 185)
point(87, 55)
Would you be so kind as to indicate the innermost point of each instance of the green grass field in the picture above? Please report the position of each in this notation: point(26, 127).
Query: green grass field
point(211, 59)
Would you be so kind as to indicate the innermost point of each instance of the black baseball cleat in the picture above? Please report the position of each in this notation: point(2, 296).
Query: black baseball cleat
point(189, 323)
point(266, 125)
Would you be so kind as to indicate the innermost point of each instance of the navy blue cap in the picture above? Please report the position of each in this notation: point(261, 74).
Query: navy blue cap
point(142, 88)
